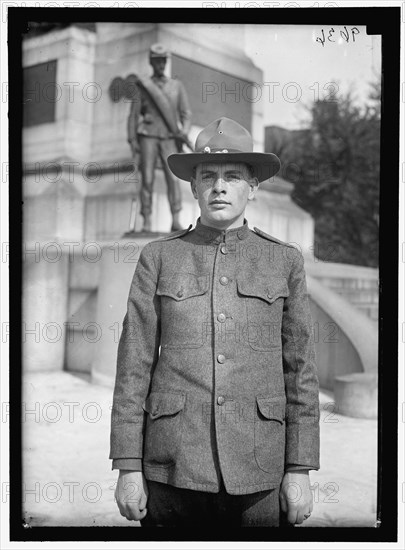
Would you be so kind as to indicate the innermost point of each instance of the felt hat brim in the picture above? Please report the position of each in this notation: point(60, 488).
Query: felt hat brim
point(264, 165)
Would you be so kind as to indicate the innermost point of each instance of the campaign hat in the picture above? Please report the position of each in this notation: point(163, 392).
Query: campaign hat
point(224, 141)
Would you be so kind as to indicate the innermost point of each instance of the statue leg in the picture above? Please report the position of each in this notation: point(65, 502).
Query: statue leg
point(168, 147)
point(149, 150)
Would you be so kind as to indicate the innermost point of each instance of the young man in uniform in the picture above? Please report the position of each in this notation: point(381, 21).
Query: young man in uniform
point(216, 408)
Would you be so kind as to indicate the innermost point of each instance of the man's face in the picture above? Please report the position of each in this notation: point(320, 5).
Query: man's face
point(158, 64)
point(222, 191)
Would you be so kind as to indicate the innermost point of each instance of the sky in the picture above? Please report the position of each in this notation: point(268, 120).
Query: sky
point(297, 68)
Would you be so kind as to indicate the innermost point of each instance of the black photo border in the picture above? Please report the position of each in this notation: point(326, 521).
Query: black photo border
point(381, 21)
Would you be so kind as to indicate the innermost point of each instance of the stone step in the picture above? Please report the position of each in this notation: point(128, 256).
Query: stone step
point(350, 283)
point(359, 296)
point(361, 293)
point(370, 311)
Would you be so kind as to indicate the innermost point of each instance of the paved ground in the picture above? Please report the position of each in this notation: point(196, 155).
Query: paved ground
point(68, 478)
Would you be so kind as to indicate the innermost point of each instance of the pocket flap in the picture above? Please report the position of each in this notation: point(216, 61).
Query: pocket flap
point(272, 408)
point(181, 286)
point(266, 288)
point(163, 403)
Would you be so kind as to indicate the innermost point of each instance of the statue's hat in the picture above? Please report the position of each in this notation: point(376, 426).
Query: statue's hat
point(158, 50)
point(224, 140)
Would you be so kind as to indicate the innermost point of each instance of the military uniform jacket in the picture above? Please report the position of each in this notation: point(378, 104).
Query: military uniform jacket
point(144, 118)
point(216, 373)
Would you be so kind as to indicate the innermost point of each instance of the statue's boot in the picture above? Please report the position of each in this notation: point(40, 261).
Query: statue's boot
point(147, 224)
point(176, 225)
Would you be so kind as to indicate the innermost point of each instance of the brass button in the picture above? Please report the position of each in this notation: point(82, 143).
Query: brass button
point(224, 280)
point(224, 249)
point(180, 294)
point(269, 294)
point(221, 358)
point(221, 400)
point(221, 318)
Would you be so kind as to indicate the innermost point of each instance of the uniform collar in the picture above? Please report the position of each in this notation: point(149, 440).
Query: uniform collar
point(213, 235)
point(160, 79)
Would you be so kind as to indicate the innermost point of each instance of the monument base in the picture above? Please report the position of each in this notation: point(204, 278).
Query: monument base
point(356, 395)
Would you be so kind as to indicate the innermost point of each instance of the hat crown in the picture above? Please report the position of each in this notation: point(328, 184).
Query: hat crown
point(158, 50)
point(224, 134)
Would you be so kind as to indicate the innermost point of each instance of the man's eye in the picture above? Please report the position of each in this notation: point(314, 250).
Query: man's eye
point(233, 176)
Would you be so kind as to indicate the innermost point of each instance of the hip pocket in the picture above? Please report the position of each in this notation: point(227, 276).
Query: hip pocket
point(163, 427)
point(270, 434)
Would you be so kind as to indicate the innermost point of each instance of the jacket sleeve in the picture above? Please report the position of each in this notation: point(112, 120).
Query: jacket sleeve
point(138, 351)
point(300, 373)
point(133, 117)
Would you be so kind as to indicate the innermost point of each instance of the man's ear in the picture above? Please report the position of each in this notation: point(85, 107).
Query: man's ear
point(193, 188)
point(253, 187)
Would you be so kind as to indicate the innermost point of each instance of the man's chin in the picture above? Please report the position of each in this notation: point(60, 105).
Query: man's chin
point(220, 215)
point(219, 219)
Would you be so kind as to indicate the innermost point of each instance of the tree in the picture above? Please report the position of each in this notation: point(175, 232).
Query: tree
point(337, 177)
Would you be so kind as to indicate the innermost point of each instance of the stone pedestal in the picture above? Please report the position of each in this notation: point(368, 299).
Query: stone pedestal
point(117, 266)
point(356, 395)
point(45, 280)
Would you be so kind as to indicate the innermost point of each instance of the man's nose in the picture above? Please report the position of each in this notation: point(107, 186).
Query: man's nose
point(219, 185)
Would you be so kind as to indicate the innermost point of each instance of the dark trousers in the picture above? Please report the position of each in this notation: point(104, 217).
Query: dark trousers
point(170, 506)
point(151, 148)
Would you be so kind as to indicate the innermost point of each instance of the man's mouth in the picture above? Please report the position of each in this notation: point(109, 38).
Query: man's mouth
point(219, 202)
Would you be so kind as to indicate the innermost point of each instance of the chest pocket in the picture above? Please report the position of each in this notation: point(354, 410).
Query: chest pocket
point(264, 298)
point(182, 286)
point(184, 310)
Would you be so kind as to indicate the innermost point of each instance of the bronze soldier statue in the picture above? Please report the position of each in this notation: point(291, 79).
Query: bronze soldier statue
point(158, 124)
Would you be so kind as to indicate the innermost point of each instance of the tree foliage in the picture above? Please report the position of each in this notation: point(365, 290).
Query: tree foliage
point(337, 177)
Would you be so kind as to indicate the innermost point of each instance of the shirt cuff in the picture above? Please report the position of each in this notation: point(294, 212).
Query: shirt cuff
point(291, 467)
point(134, 464)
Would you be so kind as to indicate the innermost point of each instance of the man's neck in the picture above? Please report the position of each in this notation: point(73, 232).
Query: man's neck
point(225, 227)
